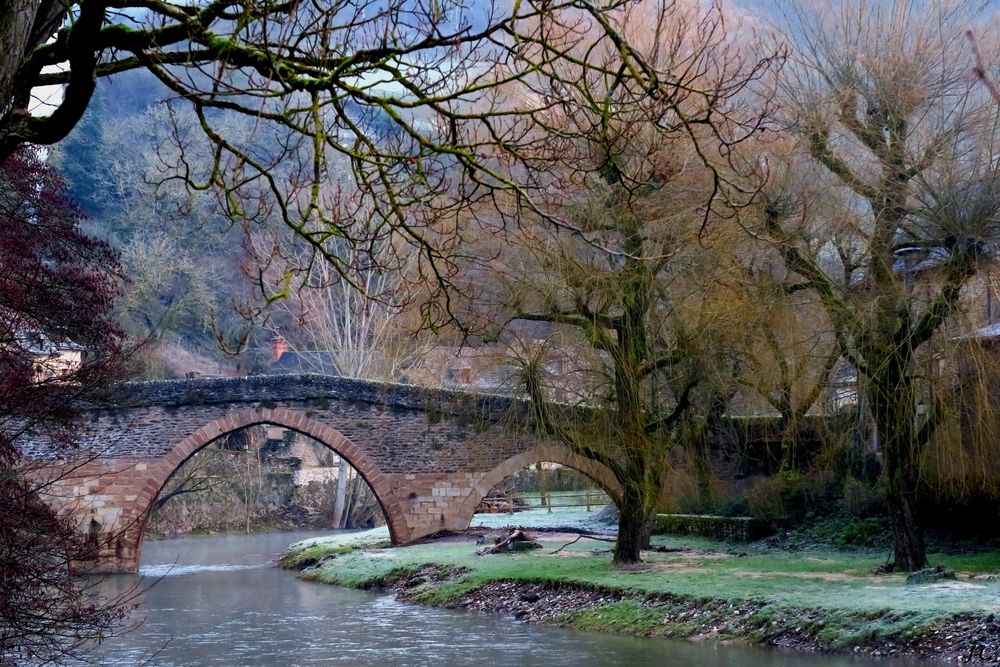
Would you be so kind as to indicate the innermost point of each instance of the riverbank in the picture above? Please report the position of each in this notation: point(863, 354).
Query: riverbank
point(812, 600)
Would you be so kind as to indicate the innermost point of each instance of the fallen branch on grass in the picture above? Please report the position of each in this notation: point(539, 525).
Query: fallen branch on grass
point(516, 540)
point(580, 537)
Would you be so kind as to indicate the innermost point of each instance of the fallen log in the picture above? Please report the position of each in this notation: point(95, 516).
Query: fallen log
point(516, 540)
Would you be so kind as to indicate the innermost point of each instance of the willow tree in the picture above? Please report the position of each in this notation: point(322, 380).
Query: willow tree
point(605, 248)
point(889, 115)
point(791, 350)
point(789, 368)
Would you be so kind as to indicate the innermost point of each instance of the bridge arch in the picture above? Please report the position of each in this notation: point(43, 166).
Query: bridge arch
point(560, 454)
point(285, 417)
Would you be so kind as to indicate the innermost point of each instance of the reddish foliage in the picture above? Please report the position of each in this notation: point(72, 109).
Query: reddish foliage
point(46, 614)
point(57, 287)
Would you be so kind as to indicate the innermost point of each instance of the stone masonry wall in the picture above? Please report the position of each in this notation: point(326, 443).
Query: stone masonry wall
point(429, 456)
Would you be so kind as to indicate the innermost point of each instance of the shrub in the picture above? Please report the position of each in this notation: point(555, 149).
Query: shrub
point(739, 506)
point(787, 497)
point(862, 500)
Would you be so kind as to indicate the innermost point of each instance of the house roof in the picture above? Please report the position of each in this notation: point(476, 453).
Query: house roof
point(37, 343)
point(989, 331)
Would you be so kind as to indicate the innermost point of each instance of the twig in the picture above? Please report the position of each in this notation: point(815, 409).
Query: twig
point(980, 68)
point(580, 537)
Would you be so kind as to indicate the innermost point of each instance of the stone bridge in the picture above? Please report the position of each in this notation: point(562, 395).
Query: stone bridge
point(430, 456)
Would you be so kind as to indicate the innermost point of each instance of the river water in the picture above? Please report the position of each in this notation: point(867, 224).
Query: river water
point(220, 601)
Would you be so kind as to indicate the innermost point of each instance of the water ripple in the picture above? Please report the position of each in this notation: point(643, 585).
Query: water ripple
point(158, 571)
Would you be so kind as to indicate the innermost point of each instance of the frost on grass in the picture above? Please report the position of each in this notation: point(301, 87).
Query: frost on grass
point(569, 518)
point(310, 551)
point(359, 539)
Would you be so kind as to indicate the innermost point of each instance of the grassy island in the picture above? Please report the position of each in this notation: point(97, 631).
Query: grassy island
point(816, 599)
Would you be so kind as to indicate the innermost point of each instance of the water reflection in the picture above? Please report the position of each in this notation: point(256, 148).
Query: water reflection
point(218, 601)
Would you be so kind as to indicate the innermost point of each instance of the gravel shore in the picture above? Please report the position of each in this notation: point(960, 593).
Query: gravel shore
point(964, 639)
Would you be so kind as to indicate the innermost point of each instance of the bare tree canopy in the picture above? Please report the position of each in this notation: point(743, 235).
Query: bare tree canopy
point(391, 98)
point(345, 51)
point(605, 249)
point(894, 124)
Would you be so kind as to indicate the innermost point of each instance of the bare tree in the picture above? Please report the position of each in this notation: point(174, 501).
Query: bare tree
point(399, 91)
point(194, 476)
point(362, 327)
point(887, 115)
point(168, 287)
point(790, 351)
point(626, 181)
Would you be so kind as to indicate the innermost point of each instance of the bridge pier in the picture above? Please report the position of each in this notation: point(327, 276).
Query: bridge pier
point(434, 502)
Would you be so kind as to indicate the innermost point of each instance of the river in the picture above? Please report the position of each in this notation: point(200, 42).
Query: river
point(220, 601)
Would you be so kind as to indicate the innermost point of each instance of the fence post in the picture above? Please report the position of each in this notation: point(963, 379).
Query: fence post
point(588, 500)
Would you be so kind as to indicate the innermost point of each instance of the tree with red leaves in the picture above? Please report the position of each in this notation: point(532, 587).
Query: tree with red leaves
point(57, 287)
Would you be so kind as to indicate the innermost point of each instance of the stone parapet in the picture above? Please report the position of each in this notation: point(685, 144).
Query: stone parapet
point(307, 388)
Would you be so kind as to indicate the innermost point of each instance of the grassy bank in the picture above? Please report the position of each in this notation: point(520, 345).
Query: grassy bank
point(817, 599)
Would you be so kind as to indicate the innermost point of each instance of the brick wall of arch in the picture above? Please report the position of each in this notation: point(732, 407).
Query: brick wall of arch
point(427, 474)
point(117, 495)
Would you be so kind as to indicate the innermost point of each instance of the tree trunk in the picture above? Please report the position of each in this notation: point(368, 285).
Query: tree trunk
point(350, 507)
point(909, 552)
point(789, 441)
point(339, 500)
point(894, 408)
point(540, 484)
point(900, 466)
point(647, 530)
point(632, 520)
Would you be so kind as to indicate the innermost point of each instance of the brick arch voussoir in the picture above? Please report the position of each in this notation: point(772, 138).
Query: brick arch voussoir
point(292, 419)
point(560, 454)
